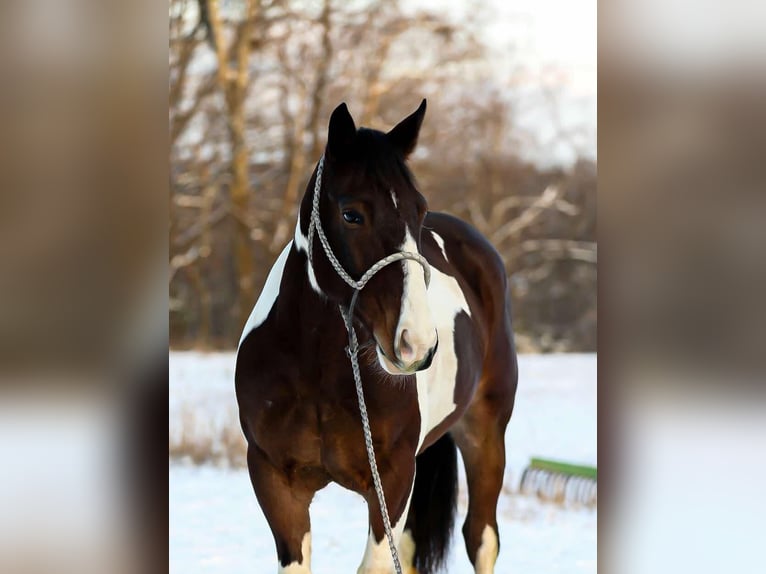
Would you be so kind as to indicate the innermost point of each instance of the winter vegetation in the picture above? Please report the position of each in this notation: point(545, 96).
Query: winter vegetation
point(252, 85)
point(217, 526)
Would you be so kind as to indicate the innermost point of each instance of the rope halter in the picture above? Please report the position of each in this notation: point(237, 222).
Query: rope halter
point(316, 226)
point(352, 350)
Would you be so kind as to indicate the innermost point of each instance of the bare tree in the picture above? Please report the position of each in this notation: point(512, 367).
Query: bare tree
point(251, 87)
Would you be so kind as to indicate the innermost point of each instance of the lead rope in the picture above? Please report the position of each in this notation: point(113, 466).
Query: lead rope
point(352, 350)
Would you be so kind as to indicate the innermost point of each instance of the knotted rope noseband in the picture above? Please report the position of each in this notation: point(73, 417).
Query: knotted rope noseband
point(352, 350)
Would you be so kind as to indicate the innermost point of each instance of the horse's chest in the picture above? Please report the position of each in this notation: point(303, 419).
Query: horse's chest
point(444, 389)
point(318, 435)
point(287, 430)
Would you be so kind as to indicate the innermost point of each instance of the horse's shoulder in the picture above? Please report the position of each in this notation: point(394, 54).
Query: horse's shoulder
point(466, 251)
point(461, 237)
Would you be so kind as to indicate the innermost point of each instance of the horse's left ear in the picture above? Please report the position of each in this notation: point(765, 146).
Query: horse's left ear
point(341, 132)
point(404, 136)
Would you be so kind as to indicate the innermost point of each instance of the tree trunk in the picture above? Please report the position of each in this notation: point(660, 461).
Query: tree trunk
point(233, 77)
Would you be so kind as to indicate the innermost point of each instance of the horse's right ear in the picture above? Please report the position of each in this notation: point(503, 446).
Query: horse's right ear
point(341, 133)
point(404, 136)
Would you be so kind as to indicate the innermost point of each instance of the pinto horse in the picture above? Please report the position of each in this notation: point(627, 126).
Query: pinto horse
point(437, 361)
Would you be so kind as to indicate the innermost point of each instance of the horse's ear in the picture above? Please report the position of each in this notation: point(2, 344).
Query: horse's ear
point(404, 136)
point(341, 133)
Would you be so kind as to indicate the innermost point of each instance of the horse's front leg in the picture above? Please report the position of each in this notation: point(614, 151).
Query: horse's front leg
point(397, 477)
point(286, 507)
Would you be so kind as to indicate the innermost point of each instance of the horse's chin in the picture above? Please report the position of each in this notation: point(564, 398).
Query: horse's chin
point(388, 366)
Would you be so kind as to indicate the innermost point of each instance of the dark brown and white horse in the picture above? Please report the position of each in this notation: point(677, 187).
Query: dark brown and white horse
point(438, 363)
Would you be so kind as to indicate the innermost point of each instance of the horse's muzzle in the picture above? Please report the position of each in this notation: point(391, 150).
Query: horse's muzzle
point(424, 363)
point(428, 359)
point(397, 367)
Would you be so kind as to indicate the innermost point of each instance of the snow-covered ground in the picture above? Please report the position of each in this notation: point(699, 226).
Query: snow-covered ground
point(216, 525)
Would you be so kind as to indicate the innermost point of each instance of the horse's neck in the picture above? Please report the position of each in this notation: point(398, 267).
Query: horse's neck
point(312, 320)
point(318, 317)
point(304, 314)
point(307, 294)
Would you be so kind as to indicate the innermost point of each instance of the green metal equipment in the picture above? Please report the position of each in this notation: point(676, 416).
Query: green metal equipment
point(560, 482)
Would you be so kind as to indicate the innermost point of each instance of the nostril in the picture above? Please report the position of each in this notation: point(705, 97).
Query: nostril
point(405, 348)
point(429, 358)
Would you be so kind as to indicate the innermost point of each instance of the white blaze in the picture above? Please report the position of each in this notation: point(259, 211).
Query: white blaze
point(415, 314)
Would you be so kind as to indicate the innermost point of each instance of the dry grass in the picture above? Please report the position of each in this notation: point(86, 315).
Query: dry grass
point(198, 441)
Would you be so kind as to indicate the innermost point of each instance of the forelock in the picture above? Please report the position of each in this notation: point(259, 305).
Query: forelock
point(380, 160)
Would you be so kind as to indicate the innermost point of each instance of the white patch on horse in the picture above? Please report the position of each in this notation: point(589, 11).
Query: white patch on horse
point(302, 244)
point(407, 552)
point(304, 566)
point(486, 556)
point(268, 295)
point(440, 243)
point(396, 201)
point(436, 384)
point(377, 555)
point(415, 314)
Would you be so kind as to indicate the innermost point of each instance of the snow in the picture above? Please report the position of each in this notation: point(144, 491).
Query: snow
point(216, 525)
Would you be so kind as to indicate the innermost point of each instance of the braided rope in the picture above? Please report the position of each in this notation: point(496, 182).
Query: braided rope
point(315, 225)
point(352, 350)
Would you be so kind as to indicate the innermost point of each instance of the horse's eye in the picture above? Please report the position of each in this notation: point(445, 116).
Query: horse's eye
point(354, 217)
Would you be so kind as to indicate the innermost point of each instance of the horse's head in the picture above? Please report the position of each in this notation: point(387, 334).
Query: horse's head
point(370, 208)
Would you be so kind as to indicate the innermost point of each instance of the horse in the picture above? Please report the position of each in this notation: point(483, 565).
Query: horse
point(437, 362)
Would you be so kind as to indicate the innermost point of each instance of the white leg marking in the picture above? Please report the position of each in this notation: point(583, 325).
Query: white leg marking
point(303, 567)
point(440, 243)
point(302, 244)
point(377, 555)
point(436, 385)
point(407, 552)
point(487, 554)
point(268, 295)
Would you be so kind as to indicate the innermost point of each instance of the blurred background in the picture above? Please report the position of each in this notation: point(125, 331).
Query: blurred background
point(508, 142)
